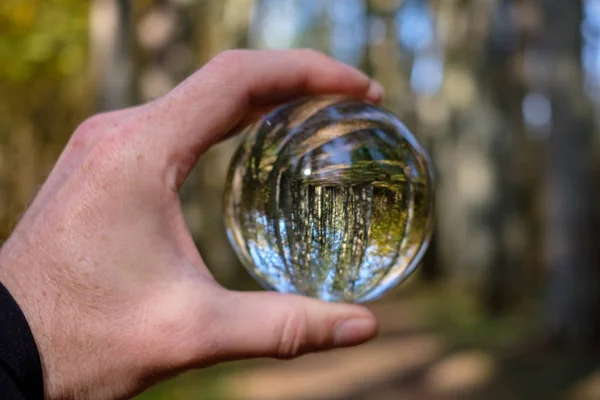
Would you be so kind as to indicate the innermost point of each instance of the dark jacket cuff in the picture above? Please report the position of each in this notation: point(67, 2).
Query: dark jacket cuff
point(20, 365)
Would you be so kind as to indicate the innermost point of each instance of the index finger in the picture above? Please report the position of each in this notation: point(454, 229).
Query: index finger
point(203, 109)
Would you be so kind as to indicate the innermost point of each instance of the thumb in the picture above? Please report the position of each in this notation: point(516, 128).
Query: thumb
point(267, 324)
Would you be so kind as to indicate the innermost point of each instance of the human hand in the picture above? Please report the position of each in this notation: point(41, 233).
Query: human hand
point(104, 267)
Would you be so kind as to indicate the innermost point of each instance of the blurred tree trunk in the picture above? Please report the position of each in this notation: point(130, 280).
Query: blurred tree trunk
point(506, 212)
point(219, 26)
point(111, 47)
point(469, 132)
point(386, 62)
point(165, 39)
point(365, 64)
point(572, 250)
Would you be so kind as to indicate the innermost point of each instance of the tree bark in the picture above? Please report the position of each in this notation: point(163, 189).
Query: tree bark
point(111, 38)
point(571, 248)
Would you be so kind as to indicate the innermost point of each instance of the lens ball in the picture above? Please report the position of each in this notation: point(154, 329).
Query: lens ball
point(330, 198)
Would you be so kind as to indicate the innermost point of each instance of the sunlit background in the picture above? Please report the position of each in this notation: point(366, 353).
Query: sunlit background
point(504, 93)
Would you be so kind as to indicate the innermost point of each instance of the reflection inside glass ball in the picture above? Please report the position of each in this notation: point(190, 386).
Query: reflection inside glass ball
point(330, 198)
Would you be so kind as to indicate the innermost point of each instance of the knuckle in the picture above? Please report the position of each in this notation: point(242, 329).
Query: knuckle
point(292, 334)
point(109, 152)
point(87, 131)
point(102, 162)
point(229, 60)
point(121, 155)
point(312, 53)
point(108, 155)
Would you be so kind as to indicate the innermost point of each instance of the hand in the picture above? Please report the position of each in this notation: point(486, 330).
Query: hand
point(105, 269)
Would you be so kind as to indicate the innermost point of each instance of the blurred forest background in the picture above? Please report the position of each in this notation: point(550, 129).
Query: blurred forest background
point(504, 93)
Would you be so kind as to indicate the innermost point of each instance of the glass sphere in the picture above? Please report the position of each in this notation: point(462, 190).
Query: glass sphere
point(330, 198)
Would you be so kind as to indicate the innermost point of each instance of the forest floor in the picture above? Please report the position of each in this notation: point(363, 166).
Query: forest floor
point(431, 347)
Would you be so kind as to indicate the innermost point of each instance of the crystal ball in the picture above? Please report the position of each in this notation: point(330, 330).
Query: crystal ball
point(330, 198)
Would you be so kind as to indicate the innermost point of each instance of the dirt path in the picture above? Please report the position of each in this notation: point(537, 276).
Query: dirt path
point(337, 374)
point(407, 361)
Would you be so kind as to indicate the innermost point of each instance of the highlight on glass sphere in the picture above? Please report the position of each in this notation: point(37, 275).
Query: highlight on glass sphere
point(330, 198)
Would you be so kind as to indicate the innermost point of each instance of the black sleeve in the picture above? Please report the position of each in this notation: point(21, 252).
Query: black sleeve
point(20, 366)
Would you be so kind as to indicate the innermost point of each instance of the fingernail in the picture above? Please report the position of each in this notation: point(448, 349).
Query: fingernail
point(375, 92)
point(354, 331)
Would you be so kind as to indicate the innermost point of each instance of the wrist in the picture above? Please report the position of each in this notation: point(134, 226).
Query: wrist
point(85, 350)
point(32, 295)
point(19, 357)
